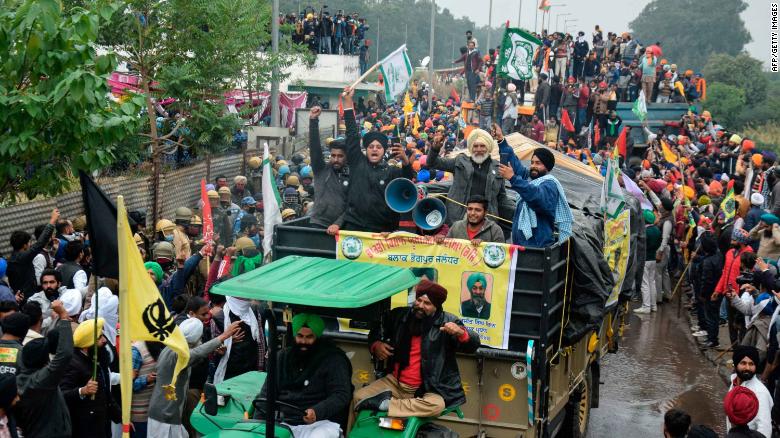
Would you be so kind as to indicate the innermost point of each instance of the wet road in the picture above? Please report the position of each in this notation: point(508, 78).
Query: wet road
point(656, 368)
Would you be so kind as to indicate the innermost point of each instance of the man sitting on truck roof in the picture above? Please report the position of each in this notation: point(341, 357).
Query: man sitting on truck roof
point(314, 375)
point(414, 387)
point(542, 208)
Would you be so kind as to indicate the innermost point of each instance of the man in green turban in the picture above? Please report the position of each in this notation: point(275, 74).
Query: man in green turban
point(314, 375)
point(477, 306)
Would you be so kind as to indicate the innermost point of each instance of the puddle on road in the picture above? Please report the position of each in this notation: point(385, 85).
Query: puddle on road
point(657, 368)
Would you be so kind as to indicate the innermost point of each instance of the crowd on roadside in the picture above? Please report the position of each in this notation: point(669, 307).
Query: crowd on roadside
point(337, 34)
point(707, 206)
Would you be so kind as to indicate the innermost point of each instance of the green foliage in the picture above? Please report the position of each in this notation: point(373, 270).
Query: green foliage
point(53, 98)
point(692, 30)
point(725, 102)
point(741, 71)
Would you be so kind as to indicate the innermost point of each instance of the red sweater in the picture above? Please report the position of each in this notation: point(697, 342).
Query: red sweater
point(412, 374)
point(728, 280)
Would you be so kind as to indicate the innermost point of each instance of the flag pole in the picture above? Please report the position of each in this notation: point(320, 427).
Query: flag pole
point(364, 75)
point(94, 339)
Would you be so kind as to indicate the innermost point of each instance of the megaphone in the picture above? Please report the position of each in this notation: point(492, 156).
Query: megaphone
point(401, 195)
point(429, 214)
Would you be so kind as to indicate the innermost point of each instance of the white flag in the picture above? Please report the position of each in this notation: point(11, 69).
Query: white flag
point(612, 200)
point(396, 71)
point(272, 215)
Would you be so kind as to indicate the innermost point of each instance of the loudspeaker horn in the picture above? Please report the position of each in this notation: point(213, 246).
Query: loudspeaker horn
point(401, 195)
point(429, 214)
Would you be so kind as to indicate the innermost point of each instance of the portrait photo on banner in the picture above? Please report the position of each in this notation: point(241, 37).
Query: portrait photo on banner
point(476, 294)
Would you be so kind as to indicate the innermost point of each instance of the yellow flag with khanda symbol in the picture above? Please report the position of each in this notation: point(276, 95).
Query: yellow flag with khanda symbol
point(143, 315)
point(729, 205)
point(669, 156)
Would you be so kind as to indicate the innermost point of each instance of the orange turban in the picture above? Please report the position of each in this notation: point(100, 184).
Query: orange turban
point(716, 189)
point(757, 159)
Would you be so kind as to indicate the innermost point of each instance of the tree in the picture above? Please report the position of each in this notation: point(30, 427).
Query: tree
point(725, 102)
point(193, 51)
point(692, 30)
point(741, 71)
point(54, 109)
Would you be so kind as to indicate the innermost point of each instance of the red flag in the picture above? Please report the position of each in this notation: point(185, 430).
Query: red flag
point(621, 143)
point(454, 94)
point(566, 122)
point(597, 134)
point(545, 5)
point(208, 224)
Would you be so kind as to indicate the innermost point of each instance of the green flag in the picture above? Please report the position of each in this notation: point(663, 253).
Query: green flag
point(517, 54)
point(640, 107)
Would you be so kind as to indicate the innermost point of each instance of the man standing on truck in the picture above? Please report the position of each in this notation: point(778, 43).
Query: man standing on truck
point(330, 179)
point(369, 175)
point(474, 175)
point(542, 210)
point(313, 374)
point(413, 386)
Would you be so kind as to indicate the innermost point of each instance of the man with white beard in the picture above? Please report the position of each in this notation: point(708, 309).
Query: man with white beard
point(474, 174)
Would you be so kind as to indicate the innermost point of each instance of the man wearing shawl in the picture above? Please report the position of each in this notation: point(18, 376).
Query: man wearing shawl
point(542, 210)
point(314, 375)
point(477, 306)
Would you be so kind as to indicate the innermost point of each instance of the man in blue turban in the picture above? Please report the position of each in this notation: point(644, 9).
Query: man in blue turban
point(477, 306)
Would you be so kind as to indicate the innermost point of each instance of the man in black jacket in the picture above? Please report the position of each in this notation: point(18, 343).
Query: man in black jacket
point(89, 401)
point(21, 273)
point(419, 345)
point(41, 411)
point(330, 179)
point(709, 269)
point(314, 375)
point(369, 175)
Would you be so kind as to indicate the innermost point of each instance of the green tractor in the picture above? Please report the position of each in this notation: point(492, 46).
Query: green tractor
point(331, 288)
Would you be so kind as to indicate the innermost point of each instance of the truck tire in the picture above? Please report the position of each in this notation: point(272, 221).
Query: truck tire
point(575, 424)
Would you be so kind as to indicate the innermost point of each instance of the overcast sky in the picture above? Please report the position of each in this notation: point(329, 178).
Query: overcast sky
point(611, 15)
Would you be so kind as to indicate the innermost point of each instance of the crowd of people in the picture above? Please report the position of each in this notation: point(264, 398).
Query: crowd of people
point(586, 80)
point(337, 34)
point(705, 207)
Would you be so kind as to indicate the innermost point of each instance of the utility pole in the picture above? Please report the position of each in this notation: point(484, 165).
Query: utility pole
point(490, 24)
point(377, 41)
point(430, 55)
point(275, 73)
point(519, 13)
point(557, 16)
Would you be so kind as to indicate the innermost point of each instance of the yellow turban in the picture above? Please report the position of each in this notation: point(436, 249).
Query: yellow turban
point(84, 336)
